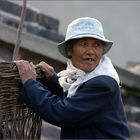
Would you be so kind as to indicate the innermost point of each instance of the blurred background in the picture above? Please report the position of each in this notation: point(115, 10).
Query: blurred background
point(45, 26)
point(120, 21)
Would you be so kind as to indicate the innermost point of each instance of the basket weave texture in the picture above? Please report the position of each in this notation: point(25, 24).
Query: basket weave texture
point(17, 121)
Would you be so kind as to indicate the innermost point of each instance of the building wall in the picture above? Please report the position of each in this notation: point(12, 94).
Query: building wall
point(6, 53)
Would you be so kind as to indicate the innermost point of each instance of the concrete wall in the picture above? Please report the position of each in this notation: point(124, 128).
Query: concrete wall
point(32, 46)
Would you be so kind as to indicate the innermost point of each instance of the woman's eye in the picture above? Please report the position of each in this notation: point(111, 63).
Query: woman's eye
point(83, 44)
point(97, 44)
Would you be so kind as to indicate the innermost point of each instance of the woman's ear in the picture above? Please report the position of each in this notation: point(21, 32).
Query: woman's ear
point(69, 54)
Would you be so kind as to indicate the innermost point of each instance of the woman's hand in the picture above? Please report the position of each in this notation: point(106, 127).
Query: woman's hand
point(47, 69)
point(26, 70)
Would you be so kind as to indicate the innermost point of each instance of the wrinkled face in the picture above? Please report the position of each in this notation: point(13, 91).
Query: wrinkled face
point(86, 53)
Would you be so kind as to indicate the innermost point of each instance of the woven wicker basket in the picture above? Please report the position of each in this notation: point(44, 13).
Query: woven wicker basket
point(17, 121)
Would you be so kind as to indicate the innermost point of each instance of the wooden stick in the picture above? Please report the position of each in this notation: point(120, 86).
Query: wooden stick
point(18, 40)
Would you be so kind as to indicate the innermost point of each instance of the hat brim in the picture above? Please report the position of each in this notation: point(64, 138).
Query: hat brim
point(62, 46)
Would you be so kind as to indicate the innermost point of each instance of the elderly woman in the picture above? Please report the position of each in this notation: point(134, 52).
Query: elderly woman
point(85, 99)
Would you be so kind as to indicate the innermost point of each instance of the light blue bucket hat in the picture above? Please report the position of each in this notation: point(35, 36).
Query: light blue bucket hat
point(84, 27)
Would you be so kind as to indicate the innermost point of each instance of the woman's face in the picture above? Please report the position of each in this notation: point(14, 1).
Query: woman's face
point(86, 53)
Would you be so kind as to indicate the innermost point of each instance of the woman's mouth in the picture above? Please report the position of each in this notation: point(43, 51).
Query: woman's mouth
point(89, 59)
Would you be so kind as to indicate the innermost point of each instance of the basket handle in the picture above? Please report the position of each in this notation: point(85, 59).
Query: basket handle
point(20, 27)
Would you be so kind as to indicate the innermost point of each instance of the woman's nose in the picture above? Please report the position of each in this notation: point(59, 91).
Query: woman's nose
point(90, 50)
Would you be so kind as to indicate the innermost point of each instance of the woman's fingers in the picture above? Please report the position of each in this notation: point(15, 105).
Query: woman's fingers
point(26, 70)
point(46, 68)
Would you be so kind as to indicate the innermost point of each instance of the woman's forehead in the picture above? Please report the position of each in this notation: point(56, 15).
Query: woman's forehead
point(89, 38)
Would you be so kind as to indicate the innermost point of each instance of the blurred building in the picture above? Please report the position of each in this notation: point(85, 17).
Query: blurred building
point(39, 38)
point(133, 67)
point(39, 43)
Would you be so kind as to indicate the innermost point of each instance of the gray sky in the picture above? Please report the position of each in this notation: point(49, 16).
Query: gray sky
point(120, 20)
